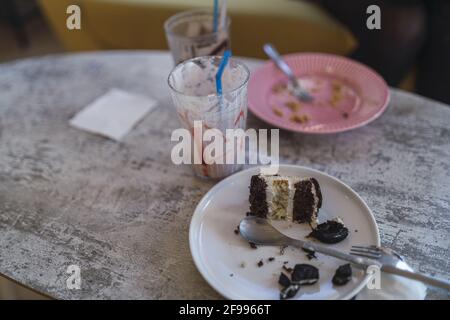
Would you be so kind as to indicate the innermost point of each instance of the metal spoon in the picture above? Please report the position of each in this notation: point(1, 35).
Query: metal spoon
point(261, 232)
point(298, 91)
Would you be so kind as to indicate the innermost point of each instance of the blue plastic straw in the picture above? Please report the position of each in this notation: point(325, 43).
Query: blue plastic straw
point(223, 63)
point(216, 15)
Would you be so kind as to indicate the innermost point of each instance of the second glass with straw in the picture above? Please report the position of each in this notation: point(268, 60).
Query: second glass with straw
point(195, 96)
point(198, 33)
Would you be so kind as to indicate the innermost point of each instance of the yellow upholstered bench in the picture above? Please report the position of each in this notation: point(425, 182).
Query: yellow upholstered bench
point(292, 26)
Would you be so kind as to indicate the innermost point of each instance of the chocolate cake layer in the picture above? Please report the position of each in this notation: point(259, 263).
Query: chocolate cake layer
point(257, 197)
point(307, 199)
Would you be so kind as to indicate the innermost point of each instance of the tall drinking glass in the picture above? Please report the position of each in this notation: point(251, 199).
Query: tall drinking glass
point(190, 34)
point(193, 91)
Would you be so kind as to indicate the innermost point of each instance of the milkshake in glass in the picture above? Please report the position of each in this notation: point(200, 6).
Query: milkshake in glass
point(191, 34)
point(193, 90)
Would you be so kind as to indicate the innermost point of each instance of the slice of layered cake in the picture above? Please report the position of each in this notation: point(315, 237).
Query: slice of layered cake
point(285, 198)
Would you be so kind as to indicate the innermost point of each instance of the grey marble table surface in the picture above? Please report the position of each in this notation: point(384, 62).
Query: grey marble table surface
point(121, 211)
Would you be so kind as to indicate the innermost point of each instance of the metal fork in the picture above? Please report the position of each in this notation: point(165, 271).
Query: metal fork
point(297, 90)
point(389, 261)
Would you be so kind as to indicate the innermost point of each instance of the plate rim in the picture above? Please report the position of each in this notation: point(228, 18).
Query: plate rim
point(206, 197)
point(300, 55)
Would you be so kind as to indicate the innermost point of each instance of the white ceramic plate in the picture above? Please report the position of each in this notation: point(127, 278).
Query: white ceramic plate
point(219, 253)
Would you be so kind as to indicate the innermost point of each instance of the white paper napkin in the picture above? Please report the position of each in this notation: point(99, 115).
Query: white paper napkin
point(114, 114)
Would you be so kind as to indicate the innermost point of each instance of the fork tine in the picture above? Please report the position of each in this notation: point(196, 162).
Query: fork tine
point(365, 250)
point(366, 247)
point(373, 249)
point(367, 253)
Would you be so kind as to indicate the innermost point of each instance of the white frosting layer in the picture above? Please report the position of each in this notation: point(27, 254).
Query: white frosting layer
point(314, 220)
point(270, 193)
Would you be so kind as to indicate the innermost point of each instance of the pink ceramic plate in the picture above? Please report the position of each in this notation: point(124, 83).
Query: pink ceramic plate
point(347, 94)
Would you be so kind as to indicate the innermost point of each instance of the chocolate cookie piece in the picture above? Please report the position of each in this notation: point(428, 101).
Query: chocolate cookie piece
point(289, 289)
point(283, 280)
point(289, 292)
point(330, 232)
point(343, 275)
point(305, 274)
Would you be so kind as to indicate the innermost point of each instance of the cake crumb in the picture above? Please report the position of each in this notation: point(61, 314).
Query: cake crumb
point(252, 245)
point(293, 105)
point(287, 269)
point(271, 259)
point(279, 87)
point(301, 119)
point(337, 93)
point(277, 112)
point(285, 262)
point(282, 250)
point(242, 265)
point(236, 231)
point(231, 274)
point(310, 254)
point(260, 263)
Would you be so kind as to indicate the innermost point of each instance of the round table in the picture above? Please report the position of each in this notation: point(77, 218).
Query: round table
point(121, 211)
